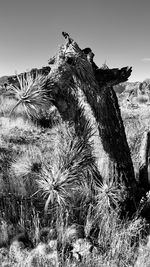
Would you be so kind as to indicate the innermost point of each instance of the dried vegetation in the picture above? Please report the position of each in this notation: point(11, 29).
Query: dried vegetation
point(54, 208)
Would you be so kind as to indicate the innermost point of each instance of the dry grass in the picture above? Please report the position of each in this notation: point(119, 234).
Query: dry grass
point(47, 178)
point(6, 104)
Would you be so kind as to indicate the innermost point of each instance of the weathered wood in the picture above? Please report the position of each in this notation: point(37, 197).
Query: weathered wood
point(111, 77)
point(72, 81)
point(106, 76)
point(143, 161)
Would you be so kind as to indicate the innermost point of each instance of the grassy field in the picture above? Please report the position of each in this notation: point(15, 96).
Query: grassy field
point(49, 215)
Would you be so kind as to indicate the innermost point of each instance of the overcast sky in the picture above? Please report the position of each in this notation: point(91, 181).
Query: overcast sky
point(118, 31)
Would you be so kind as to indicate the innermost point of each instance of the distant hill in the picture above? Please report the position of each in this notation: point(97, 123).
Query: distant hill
point(128, 86)
point(3, 80)
point(13, 78)
point(119, 88)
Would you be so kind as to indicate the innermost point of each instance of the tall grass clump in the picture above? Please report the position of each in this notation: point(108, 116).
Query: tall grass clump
point(6, 104)
point(24, 170)
point(116, 238)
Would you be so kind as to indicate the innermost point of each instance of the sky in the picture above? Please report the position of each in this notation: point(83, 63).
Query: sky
point(118, 31)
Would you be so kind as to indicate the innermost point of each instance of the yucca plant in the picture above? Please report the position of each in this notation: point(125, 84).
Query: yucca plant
point(59, 186)
point(65, 181)
point(31, 94)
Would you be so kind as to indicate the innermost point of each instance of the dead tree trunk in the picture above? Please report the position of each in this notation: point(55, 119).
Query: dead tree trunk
point(73, 86)
point(143, 162)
